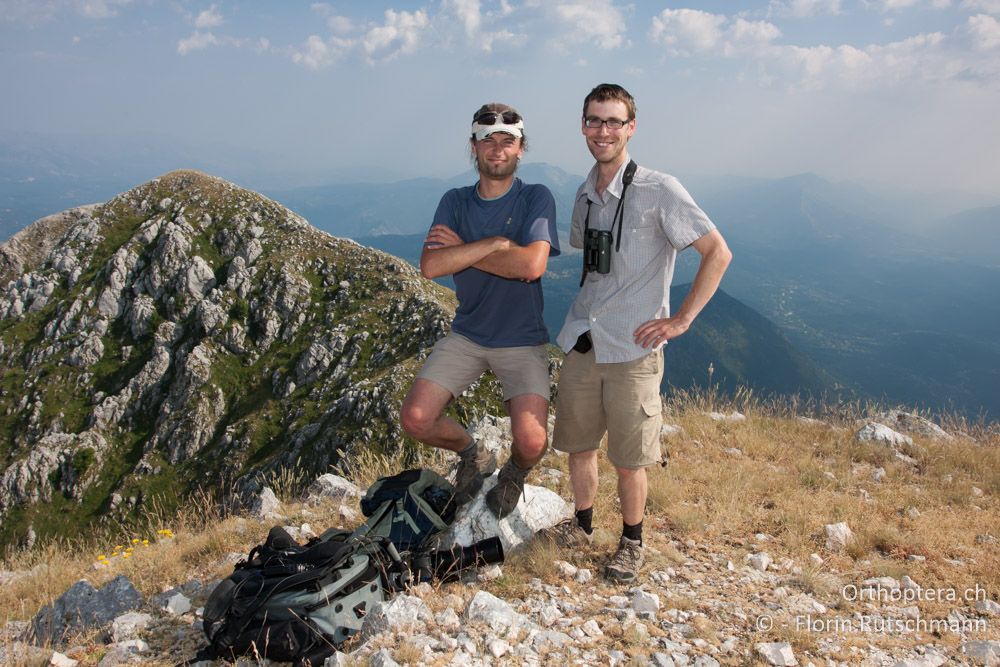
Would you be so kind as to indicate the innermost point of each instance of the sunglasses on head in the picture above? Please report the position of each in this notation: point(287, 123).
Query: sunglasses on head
point(493, 117)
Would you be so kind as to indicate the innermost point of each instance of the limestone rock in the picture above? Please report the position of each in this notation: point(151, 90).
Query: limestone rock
point(982, 652)
point(732, 417)
point(492, 611)
point(402, 611)
point(60, 660)
point(778, 654)
point(759, 561)
point(645, 602)
point(129, 625)
point(83, 607)
point(177, 604)
point(875, 432)
point(909, 422)
point(266, 505)
point(838, 536)
point(332, 487)
point(537, 509)
point(127, 652)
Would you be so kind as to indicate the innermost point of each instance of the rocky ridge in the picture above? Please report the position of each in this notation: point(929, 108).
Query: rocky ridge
point(186, 332)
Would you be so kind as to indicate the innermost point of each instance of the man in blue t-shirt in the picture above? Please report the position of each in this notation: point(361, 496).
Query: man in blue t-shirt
point(494, 238)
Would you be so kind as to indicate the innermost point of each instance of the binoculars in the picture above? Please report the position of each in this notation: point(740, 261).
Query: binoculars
point(597, 251)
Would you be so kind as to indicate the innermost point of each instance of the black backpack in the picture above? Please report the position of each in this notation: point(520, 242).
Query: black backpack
point(408, 508)
point(298, 603)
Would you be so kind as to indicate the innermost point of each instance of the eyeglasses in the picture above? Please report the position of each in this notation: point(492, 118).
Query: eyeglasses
point(594, 123)
point(493, 117)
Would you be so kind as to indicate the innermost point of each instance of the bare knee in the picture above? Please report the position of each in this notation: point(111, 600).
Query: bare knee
point(530, 445)
point(416, 421)
point(627, 475)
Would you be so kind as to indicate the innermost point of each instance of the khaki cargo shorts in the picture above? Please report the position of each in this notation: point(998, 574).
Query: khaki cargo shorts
point(456, 362)
point(620, 399)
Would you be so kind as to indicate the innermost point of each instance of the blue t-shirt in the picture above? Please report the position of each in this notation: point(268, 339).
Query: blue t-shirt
point(494, 311)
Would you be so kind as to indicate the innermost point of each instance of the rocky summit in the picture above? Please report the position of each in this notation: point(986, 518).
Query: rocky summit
point(190, 334)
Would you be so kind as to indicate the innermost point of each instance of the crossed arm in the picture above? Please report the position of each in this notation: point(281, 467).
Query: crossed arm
point(446, 253)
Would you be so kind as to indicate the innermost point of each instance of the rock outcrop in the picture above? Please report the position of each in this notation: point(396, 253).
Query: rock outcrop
point(189, 331)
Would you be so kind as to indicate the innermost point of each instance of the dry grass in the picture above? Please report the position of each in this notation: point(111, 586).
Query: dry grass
point(789, 480)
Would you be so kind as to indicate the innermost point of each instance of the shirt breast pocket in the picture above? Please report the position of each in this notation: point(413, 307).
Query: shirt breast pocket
point(643, 238)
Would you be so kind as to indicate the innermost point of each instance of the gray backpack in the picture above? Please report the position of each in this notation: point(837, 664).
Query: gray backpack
point(298, 603)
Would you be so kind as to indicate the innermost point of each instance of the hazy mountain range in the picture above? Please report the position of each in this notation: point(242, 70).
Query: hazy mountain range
point(883, 312)
point(891, 297)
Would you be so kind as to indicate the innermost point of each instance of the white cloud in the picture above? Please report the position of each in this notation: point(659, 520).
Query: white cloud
point(317, 54)
point(803, 8)
point(687, 31)
point(474, 24)
point(898, 5)
point(592, 22)
point(196, 42)
point(917, 57)
point(208, 18)
point(340, 25)
point(400, 34)
point(100, 9)
point(745, 36)
point(199, 40)
point(36, 12)
point(985, 31)
point(468, 14)
point(927, 56)
point(987, 6)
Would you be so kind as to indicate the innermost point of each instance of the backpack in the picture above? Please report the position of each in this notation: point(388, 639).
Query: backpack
point(408, 508)
point(298, 603)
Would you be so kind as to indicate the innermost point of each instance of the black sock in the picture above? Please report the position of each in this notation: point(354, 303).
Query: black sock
point(632, 532)
point(585, 519)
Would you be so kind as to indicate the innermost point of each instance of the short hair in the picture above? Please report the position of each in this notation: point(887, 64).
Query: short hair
point(610, 92)
point(498, 107)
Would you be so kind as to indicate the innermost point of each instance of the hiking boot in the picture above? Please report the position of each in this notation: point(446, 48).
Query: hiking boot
point(567, 534)
point(472, 470)
point(624, 565)
point(502, 498)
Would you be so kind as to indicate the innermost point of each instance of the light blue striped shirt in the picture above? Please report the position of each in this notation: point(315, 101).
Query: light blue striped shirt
point(660, 219)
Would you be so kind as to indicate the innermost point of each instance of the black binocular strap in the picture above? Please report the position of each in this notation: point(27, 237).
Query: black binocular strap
point(627, 176)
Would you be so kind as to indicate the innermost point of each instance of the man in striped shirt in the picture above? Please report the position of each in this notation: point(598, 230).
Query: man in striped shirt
point(631, 222)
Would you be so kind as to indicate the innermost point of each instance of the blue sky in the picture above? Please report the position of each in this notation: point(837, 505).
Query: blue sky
point(897, 92)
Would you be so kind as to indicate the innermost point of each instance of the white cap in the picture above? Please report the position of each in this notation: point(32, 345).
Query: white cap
point(480, 132)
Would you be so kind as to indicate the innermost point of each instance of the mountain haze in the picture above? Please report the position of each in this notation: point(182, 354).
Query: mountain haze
point(405, 207)
point(189, 334)
point(743, 346)
point(869, 303)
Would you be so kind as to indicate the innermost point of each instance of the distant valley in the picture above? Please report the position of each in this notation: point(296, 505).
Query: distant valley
point(877, 312)
point(898, 312)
